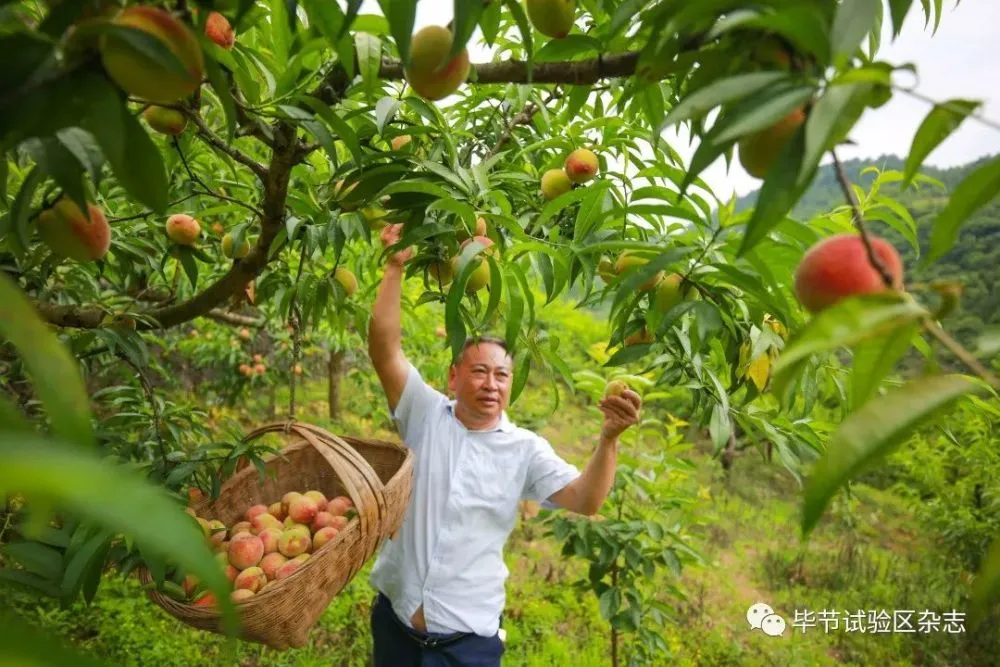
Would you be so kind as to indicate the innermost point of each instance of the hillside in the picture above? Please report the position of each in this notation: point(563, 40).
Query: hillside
point(973, 260)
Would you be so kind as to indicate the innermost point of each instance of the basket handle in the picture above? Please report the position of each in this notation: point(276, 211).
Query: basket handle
point(375, 486)
point(349, 466)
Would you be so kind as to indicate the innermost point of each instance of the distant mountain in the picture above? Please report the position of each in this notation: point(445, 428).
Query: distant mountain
point(974, 259)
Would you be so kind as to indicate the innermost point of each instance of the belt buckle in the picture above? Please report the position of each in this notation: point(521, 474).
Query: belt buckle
point(432, 643)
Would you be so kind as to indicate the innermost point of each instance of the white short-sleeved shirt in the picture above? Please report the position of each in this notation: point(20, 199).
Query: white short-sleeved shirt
point(448, 554)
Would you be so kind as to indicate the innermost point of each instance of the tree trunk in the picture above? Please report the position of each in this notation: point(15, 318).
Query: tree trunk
point(335, 371)
point(614, 630)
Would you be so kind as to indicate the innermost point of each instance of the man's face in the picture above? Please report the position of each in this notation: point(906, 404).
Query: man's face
point(481, 381)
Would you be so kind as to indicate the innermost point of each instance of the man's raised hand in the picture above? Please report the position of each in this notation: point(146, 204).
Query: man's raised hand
point(390, 236)
point(620, 412)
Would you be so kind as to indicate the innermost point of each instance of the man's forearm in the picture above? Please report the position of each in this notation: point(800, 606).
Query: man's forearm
point(599, 476)
point(384, 330)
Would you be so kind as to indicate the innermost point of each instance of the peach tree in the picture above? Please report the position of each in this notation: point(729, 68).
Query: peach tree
point(237, 159)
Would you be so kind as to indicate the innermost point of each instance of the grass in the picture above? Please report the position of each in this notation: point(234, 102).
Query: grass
point(865, 555)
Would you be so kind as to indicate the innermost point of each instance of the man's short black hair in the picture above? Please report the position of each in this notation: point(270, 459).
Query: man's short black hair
point(477, 340)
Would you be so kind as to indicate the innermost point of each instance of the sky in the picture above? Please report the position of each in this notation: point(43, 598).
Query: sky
point(962, 60)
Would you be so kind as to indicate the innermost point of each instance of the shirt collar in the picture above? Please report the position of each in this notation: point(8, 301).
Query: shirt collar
point(505, 425)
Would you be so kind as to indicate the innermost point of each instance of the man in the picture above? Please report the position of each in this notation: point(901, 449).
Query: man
point(441, 578)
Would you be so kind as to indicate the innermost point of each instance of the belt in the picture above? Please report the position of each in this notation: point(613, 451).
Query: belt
point(424, 640)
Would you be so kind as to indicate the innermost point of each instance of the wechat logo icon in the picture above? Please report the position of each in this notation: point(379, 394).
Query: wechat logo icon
point(761, 617)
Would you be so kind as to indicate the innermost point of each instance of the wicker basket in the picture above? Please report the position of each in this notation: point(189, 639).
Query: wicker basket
point(376, 475)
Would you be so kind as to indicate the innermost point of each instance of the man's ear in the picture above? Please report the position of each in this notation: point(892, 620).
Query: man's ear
point(452, 376)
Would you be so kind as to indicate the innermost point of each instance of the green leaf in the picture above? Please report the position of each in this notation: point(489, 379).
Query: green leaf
point(937, 126)
point(720, 92)
point(719, 427)
point(527, 42)
point(278, 35)
point(220, 84)
point(610, 602)
point(874, 431)
point(762, 115)
point(133, 156)
point(91, 488)
point(847, 323)
point(62, 165)
point(562, 201)
point(854, 20)
point(489, 22)
point(385, 111)
point(401, 15)
point(986, 588)
point(327, 17)
point(466, 18)
point(831, 118)
point(20, 212)
point(339, 125)
point(898, 9)
point(369, 48)
point(974, 192)
point(23, 644)
point(874, 359)
point(785, 184)
point(54, 373)
point(521, 372)
point(36, 558)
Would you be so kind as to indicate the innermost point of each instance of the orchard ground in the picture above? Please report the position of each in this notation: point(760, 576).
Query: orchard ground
point(873, 555)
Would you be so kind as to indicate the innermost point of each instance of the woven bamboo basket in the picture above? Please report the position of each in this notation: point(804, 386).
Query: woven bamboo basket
point(376, 475)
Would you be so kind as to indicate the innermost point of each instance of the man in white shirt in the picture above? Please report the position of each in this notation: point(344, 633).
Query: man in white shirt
point(441, 578)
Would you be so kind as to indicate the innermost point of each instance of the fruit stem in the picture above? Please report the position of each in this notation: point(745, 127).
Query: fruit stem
point(859, 221)
point(966, 357)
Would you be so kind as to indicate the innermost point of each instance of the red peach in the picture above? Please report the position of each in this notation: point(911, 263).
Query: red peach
point(69, 233)
point(219, 30)
point(245, 551)
point(183, 229)
point(324, 535)
point(190, 584)
point(271, 562)
point(293, 543)
point(274, 509)
point(241, 594)
point(322, 520)
point(240, 527)
point(339, 506)
point(318, 498)
point(838, 267)
point(262, 522)
point(287, 569)
point(251, 578)
point(287, 498)
point(269, 537)
point(206, 600)
point(302, 509)
point(231, 572)
point(254, 511)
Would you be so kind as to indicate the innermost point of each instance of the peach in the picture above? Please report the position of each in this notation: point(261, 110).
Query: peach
point(190, 584)
point(271, 562)
point(244, 333)
point(256, 510)
point(231, 573)
point(293, 543)
point(300, 528)
point(206, 600)
point(275, 510)
point(615, 388)
point(347, 280)
point(555, 182)
point(165, 120)
point(205, 528)
point(628, 261)
point(339, 506)
point(218, 29)
point(142, 76)
point(251, 578)
point(479, 278)
point(239, 252)
point(838, 267)
point(760, 150)
point(302, 510)
point(301, 558)
point(287, 569)
point(190, 512)
point(218, 229)
point(262, 522)
point(69, 233)
point(183, 229)
point(269, 536)
point(581, 165)
point(324, 535)
point(429, 73)
point(245, 551)
point(287, 498)
point(641, 336)
point(239, 527)
point(401, 142)
point(440, 273)
point(490, 248)
point(217, 531)
point(322, 520)
point(552, 18)
point(241, 594)
point(339, 522)
point(318, 498)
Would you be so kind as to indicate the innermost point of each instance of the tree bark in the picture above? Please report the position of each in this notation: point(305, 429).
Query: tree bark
point(335, 372)
point(574, 72)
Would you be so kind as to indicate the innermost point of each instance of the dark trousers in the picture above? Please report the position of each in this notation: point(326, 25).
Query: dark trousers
point(398, 645)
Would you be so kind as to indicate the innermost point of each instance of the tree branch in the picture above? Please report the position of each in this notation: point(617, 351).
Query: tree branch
point(215, 140)
point(859, 222)
point(225, 317)
point(575, 72)
point(522, 118)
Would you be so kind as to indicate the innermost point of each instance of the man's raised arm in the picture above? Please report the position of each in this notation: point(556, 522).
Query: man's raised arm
point(384, 331)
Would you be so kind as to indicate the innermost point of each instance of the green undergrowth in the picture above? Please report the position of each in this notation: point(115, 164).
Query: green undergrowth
point(872, 557)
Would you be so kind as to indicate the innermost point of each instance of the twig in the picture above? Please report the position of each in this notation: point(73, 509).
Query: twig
point(523, 118)
point(945, 105)
point(205, 133)
point(149, 213)
point(209, 191)
point(943, 337)
point(859, 222)
point(154, 406)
